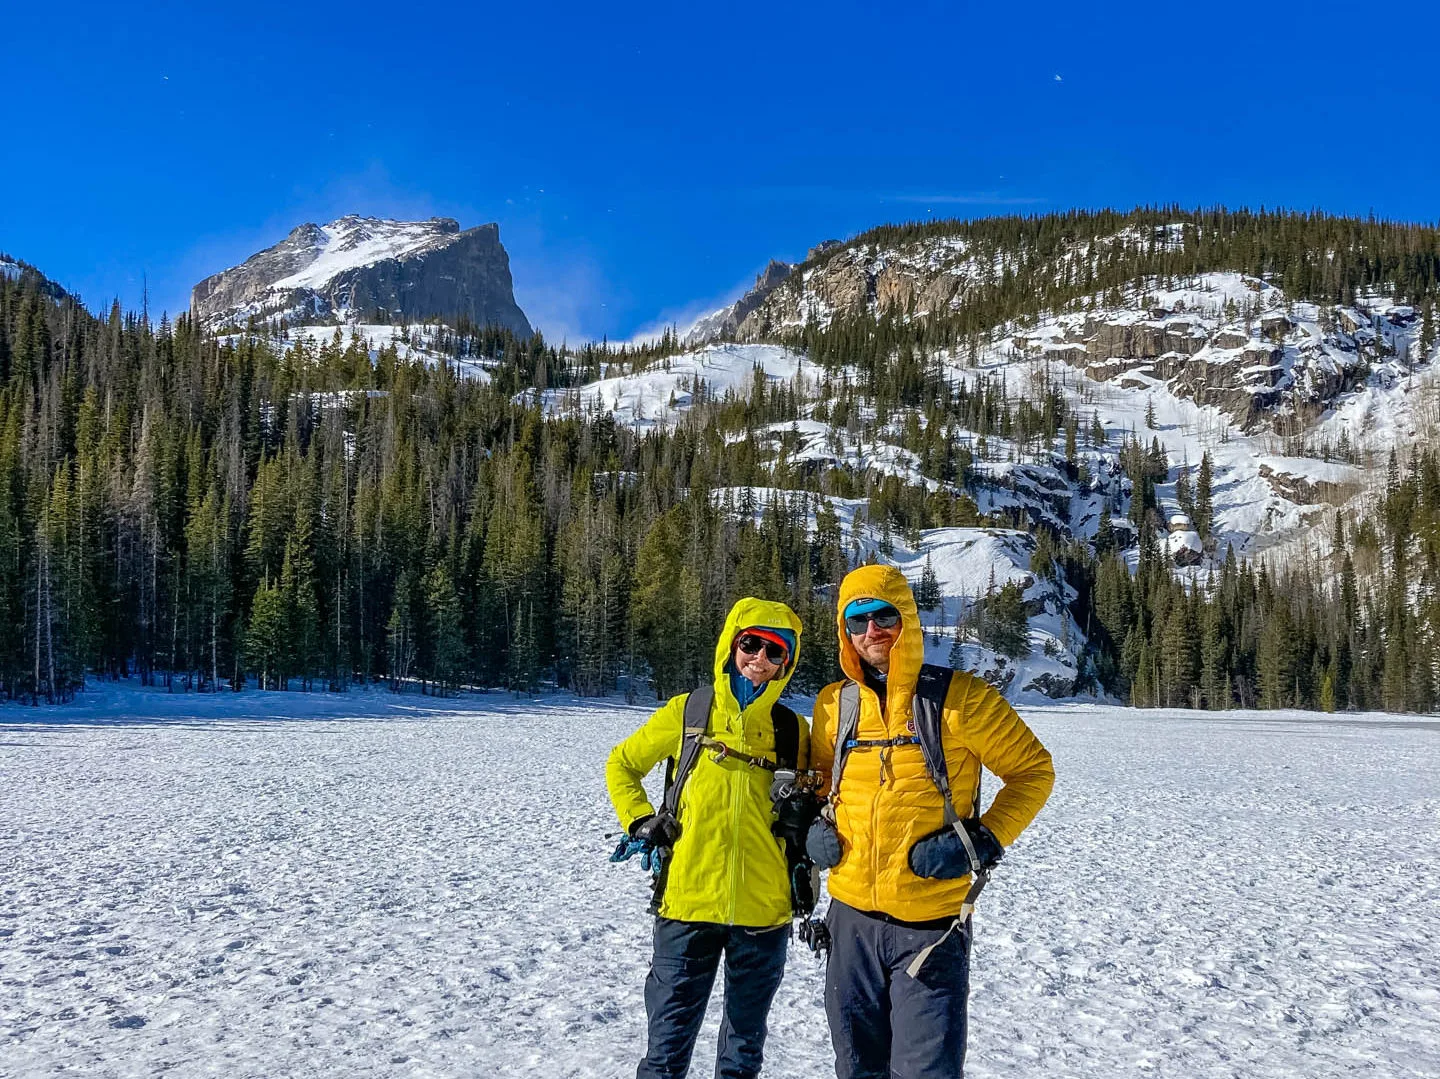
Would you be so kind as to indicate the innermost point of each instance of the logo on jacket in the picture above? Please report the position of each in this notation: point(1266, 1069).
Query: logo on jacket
point(910, 725)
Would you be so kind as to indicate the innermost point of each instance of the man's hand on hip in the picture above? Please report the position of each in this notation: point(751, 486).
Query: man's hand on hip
point(942, 855)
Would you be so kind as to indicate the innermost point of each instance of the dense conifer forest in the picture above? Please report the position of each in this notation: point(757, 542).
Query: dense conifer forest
point(200, 512)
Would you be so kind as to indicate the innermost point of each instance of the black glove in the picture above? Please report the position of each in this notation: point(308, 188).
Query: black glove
point(942, 855)
point(822, 844)
point(793, 816)
point(657, 829)
point(804, 881)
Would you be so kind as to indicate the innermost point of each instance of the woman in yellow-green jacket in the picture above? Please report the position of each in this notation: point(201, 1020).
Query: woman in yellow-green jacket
point(725, 887)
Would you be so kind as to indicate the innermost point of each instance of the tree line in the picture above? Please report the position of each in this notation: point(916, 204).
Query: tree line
point(205, 511)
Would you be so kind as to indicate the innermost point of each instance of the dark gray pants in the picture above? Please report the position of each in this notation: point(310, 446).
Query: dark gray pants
point(883, 1022)
point(687, 954)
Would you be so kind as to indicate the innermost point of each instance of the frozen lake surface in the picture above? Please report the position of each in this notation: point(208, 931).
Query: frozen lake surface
point(267, 885)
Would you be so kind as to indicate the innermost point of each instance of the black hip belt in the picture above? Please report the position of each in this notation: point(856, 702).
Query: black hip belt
point(890, 919)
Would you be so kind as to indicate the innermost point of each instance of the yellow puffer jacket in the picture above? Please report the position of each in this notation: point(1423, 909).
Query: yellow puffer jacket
point(727, 866)
point(881, 814)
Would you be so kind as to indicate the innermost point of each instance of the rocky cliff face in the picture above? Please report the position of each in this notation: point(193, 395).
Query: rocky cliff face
point(357, 266)
point(1237, 343)
point(838, 281)
point(1220, 339)
point(725, 323)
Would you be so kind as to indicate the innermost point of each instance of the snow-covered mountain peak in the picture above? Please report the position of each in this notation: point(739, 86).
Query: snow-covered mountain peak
point(403, 270)
point(354, 242)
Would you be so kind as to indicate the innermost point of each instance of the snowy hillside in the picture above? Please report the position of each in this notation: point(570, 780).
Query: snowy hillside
point(969, 564)
point(424, 342)
point(662, 393)
point(1351, 381)
point(1235, 342)
point(320, 885)
point(1269, 489)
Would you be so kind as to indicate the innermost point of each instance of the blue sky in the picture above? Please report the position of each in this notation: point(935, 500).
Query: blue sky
point(645, 160)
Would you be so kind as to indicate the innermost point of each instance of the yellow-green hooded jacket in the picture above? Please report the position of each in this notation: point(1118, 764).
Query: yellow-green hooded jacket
point(727, 867)
point(882, 810)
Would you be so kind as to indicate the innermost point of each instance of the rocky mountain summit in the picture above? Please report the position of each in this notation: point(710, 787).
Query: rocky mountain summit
point(726, 322)
point(371, 269)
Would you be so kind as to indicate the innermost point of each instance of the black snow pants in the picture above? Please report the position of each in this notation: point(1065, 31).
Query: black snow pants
point(682, 972)
point(883, 1022)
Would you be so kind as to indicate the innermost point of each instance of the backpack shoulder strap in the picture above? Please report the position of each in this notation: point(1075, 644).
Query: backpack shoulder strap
point(847, 722)
point(787, 736)
point(931, 688)
point(697, 722)
point(678, 768)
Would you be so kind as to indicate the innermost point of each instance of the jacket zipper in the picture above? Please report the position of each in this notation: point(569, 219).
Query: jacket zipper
point(875, 812)
point(737, 776)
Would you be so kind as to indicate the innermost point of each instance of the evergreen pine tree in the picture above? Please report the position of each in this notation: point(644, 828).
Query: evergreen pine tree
point(1007, 626)
point(266, 635)
point(655, 607)
point(401, 631)
point(927, 593)
point(445, 639)
point(1183, 497)
point(1204, 514)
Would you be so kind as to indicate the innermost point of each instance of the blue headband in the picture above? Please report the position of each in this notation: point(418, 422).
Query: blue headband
point(867, 604)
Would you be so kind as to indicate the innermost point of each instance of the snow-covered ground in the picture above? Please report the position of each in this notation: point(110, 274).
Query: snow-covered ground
point(310, 886)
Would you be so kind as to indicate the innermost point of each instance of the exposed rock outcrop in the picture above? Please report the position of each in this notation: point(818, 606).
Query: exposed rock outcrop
point(725, 322)
point(362, 267)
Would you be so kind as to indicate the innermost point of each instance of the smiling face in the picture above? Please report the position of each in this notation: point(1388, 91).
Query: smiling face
point(874, 645)
point(759, 654)
point(755, 666)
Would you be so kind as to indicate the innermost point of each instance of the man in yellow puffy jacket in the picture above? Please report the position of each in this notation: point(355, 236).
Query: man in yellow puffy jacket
point(903, 856)
point(725, 886)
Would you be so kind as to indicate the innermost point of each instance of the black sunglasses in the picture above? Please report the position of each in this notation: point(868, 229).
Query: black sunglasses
point(888, 618)
point(750, 644)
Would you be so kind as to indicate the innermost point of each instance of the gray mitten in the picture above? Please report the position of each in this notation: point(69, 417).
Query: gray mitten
point(822, 844)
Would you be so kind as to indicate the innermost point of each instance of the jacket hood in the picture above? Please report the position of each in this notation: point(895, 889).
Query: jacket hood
point(908, 653)
point(746, 613)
